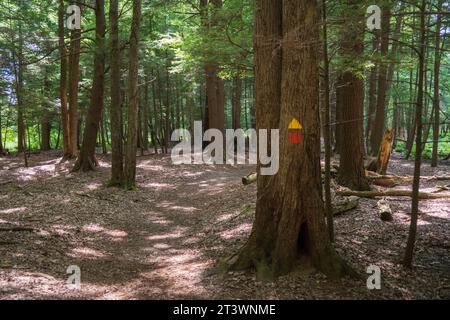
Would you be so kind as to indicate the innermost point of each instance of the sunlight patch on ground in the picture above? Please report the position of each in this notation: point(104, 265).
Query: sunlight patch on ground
point(236, 232)
point(148, 165)
point(14, 210)
point(96, 228)
point(159, 186)
point(93, 186)
point(85, 252)
point(175, 235)
point(162, 246)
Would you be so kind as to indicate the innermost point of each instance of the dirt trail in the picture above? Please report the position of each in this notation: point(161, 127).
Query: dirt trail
point(162, 240)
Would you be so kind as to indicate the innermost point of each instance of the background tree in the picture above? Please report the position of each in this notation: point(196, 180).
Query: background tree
point(86, 160)
point(351, 91)
point(130, 161)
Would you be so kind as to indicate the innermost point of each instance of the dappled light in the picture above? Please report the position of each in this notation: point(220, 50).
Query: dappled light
point(224, 150)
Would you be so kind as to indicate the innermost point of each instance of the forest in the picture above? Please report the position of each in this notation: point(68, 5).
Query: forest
point(225, 149)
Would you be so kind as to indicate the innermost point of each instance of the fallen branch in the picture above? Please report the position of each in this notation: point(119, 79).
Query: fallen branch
point(370, 176)
point(16, 229)
point(392, 180)
point(391, 193)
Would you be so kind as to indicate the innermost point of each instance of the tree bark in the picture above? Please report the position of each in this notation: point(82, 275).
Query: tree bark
point(380, 114)
point(215, 88)
point(351, 169)
point(372, 91)
point(133, 92)
point(436, 99)
point(86, 160)
point(289, 212)
point(145, 123)
point(407, 261)
point(74, 66)
point(236, 102)
point(326, 126)
point(45, 119)
point(115, 111)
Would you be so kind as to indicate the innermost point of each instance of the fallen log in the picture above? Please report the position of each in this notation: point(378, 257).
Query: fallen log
point(371, 176)
point(252, 177)
point(391, 193)
point(384, 210)
point(392, 180)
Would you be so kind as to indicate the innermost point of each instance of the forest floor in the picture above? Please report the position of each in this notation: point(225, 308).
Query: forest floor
point(162, 240)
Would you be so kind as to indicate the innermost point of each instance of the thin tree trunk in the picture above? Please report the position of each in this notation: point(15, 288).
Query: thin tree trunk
point(236, 102)
point(156, 143)
point(45, 120)
point(145, 122)
point(380, 114)
point(326, 126)
point(168, 107)
point(103, 137)
point(372, 91)
point(74, 66)
point(436, 99)
point(409, 252)
point(63, 79)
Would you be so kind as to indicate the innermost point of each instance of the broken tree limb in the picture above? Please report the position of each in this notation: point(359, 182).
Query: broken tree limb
point(391, 193)
point(384, 153)
point(16, 229)
point(384, 210)
point(249, 179)
point(373, 176)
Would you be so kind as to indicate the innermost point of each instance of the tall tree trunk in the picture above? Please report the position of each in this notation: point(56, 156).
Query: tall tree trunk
point(18, 74)
point(409, 252)
point(63, 79)
point(380, 114)
point(326, 125)
point(133, 105)
point(145, 122)
point(177, 108)
point(289, 211)
point(436, 99)
point(215, 88)
point(372, 90)
point(412, 122)
point(86, 160)
point(74, 66)
point(115, 110)
point(168, 107)
point(156, 120)
point(351, 87)
point(338, 115)
point(45, 119)
point(103, 136)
